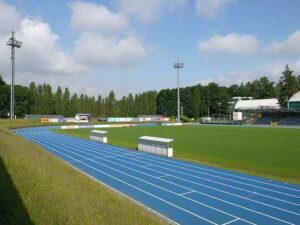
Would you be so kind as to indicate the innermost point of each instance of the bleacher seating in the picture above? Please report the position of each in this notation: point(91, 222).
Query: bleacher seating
point(283, 121)
point(293, 121)
point(263, 121)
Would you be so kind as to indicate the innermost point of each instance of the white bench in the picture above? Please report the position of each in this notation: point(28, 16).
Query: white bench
point(98, 135)
point(156, 145)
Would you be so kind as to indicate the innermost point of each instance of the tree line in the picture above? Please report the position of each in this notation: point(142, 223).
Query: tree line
point(198, 100)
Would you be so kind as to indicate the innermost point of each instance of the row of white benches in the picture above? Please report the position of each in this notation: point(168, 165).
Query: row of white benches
point(154, 145)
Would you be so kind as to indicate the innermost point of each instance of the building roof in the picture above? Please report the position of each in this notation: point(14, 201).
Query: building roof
point(149, 138)
point(295, 97)
point(257, 104)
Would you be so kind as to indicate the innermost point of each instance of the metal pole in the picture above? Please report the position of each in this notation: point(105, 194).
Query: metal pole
point(178, 95)
point(12, 87)
point(178, 66)
point(13, 43)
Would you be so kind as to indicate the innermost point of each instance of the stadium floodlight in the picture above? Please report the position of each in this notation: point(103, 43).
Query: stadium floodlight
point(178, 66)
point(14, 43)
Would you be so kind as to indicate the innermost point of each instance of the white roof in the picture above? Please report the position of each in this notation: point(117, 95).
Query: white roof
point(258, 104)
point(295, 97)
point(99, 131)
point(149, 138)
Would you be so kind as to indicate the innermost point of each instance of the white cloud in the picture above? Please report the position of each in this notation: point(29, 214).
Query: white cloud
point(290, 46)
point(272, 70)
point(90, 16)
point(40, 57)
point(96, 50)
point(40, 53)
point(209, 9)
point(99, 44)
point(232, 44)
point(148, 11)
point(9, 18)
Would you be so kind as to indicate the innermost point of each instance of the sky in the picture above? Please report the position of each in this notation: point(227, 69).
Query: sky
point(93, 47)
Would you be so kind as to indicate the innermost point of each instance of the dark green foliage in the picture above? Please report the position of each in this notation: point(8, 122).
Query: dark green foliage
point(2, 82)
point(4, 100)
point(185, 119)
point(197, 101)
point(288, 85)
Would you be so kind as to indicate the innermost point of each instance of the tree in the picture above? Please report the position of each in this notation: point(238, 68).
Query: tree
point(130, 102)
point(287, 86)
point(47, 96)
point(196, 102)
point(66, 103)
point(4, 100)
point(32, 98)
point(58, 101)
point(22, 101)
point(268, 88)
point(73, 104)
point(111, 104)
point(2, 82)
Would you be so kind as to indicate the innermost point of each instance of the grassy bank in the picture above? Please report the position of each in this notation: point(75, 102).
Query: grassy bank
point(38, 188)
point(268, 152)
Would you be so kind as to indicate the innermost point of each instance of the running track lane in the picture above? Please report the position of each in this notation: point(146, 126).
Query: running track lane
point(185, 193)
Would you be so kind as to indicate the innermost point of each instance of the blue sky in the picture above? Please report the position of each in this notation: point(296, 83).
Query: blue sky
point(130, 45)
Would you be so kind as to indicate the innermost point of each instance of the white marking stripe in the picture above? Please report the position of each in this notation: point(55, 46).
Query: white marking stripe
point(135, 187)
point(202, 193)
point(161, 159)
point(195, 191)
point(188, 192)
point(245, 178)
point(139, 178)
point(166, 175)
point(230, 222)
point(204, 179)
point(294, 196)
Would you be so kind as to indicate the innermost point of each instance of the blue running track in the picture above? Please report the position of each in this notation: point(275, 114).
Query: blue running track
point(185, 193)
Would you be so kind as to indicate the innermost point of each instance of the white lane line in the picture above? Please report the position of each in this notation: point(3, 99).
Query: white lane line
point(200, 185)
point(195, 191)
point(166, 175)
point(185, 193)
point(232, 175)
point(154, 196)
point(147, 156)
point(209, 180)
point(199, 203)
point(148, 165)
point(230, 222)
point(79, 160)
point(246, 198)
point(222, 178)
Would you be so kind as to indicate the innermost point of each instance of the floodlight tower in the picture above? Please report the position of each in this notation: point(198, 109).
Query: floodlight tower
point(178, 66)
point(14, 43)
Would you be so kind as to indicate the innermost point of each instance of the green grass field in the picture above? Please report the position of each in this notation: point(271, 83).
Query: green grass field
point(38, 188)
point(268, 152)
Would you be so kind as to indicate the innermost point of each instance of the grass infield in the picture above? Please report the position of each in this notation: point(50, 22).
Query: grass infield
point(38, 188)
point(267, 152)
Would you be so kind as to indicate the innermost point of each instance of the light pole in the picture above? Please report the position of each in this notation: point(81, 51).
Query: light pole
point(14, 43)
point(178, 66)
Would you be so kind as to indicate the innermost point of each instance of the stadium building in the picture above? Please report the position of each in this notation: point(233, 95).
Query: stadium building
point(294, 102)
point(268, 112)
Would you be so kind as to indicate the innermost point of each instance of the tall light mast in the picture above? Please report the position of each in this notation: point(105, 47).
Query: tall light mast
point(178, 66)
point(14, 43)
